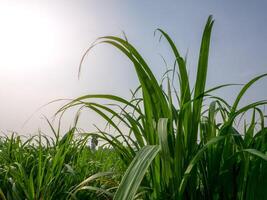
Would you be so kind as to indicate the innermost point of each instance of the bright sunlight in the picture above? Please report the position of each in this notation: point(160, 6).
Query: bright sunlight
point(27, 36)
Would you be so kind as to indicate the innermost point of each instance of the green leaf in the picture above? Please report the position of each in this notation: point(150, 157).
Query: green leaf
point(257, 153)
point(243, 90)
point(135, 173)
point(165, 151)
point(200, 82)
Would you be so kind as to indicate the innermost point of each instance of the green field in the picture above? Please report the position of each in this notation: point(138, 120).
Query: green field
point(171, 140)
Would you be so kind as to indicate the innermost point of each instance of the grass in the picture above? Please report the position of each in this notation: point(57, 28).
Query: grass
point(177, 139)
point(203, 155)
point(47, 168)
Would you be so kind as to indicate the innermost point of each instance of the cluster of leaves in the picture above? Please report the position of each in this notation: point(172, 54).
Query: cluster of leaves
point(41, 167)
point(181, 143)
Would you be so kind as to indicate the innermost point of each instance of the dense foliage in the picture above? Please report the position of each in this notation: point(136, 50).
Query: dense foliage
point(177, 141)
point(47, 168)
point(182, 141)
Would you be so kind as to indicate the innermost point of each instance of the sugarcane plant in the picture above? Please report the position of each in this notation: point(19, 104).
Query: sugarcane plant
point(179, 141)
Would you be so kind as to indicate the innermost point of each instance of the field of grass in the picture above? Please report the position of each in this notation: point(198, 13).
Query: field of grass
point(47, 168)
point(171, 140)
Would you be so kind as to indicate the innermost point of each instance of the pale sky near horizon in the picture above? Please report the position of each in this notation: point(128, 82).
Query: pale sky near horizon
point(41, 44)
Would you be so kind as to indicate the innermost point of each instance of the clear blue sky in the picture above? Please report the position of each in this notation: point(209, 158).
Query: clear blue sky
point(41, 43)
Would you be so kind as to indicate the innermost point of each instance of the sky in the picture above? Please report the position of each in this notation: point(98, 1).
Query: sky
point(42, 42)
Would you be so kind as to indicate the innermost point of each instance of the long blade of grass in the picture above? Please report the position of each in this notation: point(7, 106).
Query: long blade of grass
point(135, 173)
point(200, 82)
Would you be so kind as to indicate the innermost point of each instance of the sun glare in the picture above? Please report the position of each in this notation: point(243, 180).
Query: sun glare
point(28, 37)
